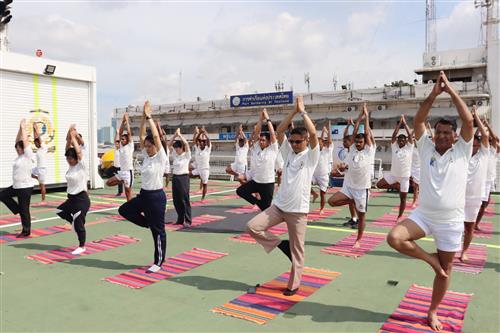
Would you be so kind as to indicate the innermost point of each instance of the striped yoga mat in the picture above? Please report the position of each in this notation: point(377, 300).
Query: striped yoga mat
point(268, 300)
point(327, 212)
point(137, 278)
point(203, 203)
point(51, 203)
point(388, 220)
point(375, 194)
point(345, 246)
point(277, 230)
point(476, 260)
point(53, 256)
point(97, 206)
point(247, 209)
point(228, 197)
point(411, 314)
point(197, 221)
point(10, 218)
point(486, 230)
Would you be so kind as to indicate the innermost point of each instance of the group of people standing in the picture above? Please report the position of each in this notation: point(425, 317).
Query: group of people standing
point(454, 176)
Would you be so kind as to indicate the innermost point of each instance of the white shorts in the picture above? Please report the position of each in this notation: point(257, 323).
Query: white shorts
point(360, 197)
point(239, 168)
point(488, 187)
point(127, 176)
point(447, 235)
point(41, 173)
point(415, 176)
point(203, 173)
point(321, 181)
point(471, 209)
point(404, 182)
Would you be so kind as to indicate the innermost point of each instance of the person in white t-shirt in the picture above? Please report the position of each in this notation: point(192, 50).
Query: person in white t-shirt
point(491, 173)
point(239, 166)
point(181, 154)
point(399, 177)
point(22, 184)
point(75, 208)
point(476, 178)
point(164, 143)
point(126, 173)
point(322, 171)
point(357, 181)
point(291, 204)
point(442, 193)
point(116, 163)
point(261, 177)
point(147, 209)
point(202, 151)
point(40, 171)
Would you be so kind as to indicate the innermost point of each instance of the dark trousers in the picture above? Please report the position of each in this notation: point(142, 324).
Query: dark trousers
point(265, 191)
point(21, 207)
point(74, 210)
point(147, 210)
point(180, 195)
point(120, 185)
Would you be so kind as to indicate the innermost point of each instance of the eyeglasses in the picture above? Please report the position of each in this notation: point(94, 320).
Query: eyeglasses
point(296, 142)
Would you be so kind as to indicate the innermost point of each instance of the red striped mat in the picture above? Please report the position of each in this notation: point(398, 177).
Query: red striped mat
point(277, 230)
point(11, 218)
point(111, 242)
point(388, 220)
point(51, 203)
point(476, 260)
point(268, 301)
point(486, 230)
point(247, 209)
point(97, 206)
point(375, 194)
point(315, 215)
point(345, 246)
point(138, 278)
point(197, 221)
point(202, 202)
point(411, 314)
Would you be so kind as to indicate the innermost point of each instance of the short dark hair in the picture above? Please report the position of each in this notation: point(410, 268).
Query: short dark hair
point(150, 139)
point(177, 144)
point(125, 135)
point(348, 137)
point(37, 140)
point(71, 152)
point(447, 121)
point(360, 136)
point(402, 136)
point(302, 131)
point(266, 135)
point(19, 144)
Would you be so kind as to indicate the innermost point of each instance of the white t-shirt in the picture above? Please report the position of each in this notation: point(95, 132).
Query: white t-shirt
point(41, 156)
point(21, 169)
point(358, 175)
point(476, 175)
point(127, 156)
point(295, 189)
point(492, 165)
point(263, 162)
point(116, 159)
point(340, 154)
point(323, 166)
point(241, 154)
point(443, 180)
point(152, 170)
point(401, 160)
point(77, 177)
point(180, 164)
point(415, 163)
point(279, 163)
point(202, 157)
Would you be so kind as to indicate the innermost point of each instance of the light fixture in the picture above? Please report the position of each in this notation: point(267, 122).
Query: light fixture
point(49, 69)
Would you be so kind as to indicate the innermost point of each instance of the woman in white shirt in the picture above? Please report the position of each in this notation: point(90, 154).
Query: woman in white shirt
point(40, 172)
point(75, 208)
point(22, 186)
point(148, 208)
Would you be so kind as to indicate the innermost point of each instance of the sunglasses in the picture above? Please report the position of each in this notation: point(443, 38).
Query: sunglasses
point(296, 142)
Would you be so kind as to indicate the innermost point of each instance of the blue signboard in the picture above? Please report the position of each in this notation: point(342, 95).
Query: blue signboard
point(231, 135)
point(338, 131)
point(276, 98)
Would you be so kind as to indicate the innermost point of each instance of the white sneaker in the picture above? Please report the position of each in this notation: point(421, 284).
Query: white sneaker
point(153, 269)
point(78, 250)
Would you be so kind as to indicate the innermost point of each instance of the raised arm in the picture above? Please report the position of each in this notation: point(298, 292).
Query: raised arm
point(346, 129)
point(270, 126)
point(196, 133)
point(172, 140)
point(422, 113)
point(142, 129)
point(467, 129)
point(484, 131)
point(358, 122)
point(283, 126)
point(494, 137)
point(185, 143)
point(36, 135)
point(429, 129)
point(68, 136)
point(329, 133)
point(255, 135)
point(368, 131)
point(22, 135)
point(117, 136)
point(408, 131)
point(129, 130)
point(396, 130)
point(205, 134)
point(74, 142)
point(308, 124)
point(122, 124)
point(154, 131)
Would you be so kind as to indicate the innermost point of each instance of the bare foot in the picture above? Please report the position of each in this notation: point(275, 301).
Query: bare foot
point(463, 258)
point(66, 226)
point(436, 265)
point(398, 219)
point(476, 227)
point(321, 212)
point(433, 321)
point(356, 245)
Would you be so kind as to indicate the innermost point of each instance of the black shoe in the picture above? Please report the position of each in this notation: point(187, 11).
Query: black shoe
point(284, 246)
point(23, 234)
point(289, 292)
point(349, 223)
point(355, 225)
point(177, 223)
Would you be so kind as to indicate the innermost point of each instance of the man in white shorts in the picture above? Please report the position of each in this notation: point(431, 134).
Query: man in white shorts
point(476, 178)
point(239, 166)
point(491, 175)
point(399, 177)
point(322, 171)
point(202, 150)
point(40, 171)
point(357, 181)
point(442, 193)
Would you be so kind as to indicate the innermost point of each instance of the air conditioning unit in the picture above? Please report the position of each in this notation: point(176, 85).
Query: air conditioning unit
point(381, 107)
point(435, 61)
point(351, 108)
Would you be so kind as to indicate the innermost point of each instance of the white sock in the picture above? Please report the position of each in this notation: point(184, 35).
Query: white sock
point(355, 219)
point(78, 250)
point(153, 269)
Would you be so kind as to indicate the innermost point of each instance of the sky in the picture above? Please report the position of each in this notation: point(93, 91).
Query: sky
point(228, 47)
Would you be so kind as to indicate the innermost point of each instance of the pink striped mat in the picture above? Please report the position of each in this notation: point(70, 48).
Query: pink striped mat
point(277, 230)
point(138, 278)
point(53, 256)
point(247, 209)
point(388, 220)
point(197, 221)
point(486, 230)
point(476, 260)
point(345, 246)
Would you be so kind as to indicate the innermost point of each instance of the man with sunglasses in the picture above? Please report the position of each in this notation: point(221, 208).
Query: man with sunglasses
point(291, 204)
point(202, 150)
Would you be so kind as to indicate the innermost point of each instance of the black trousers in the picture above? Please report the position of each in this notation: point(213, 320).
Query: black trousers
point(120, 185)
point(21, 207)
point(74, 210)
point(265, 191)
point(180, 195)
point(147, 210)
